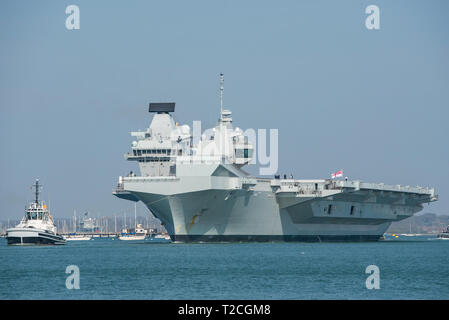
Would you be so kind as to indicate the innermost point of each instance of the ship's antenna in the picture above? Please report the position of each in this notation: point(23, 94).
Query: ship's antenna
point(221, 95)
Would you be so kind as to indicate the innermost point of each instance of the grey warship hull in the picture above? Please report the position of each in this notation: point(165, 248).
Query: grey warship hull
point(252, 209)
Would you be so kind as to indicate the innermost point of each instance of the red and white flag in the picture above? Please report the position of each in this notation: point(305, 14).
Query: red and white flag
point(337, 174)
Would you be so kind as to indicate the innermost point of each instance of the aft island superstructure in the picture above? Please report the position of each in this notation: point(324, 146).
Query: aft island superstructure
point(200, 192)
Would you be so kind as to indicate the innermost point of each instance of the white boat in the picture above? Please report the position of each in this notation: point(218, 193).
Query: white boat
point(139, 233)
point(162, 236)
point(36, 227)
point(78, 237)
point(444, 234)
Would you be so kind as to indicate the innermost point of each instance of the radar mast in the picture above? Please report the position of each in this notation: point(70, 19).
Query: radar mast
point(36, 190)
point(221, 95)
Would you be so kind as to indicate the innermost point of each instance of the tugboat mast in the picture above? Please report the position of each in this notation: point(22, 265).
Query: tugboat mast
point(36, 187)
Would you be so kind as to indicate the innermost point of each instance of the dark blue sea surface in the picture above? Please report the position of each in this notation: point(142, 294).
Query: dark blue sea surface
point(410, 268)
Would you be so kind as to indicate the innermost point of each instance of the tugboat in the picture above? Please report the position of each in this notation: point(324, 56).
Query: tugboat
point(444, 234)
point(36, 227)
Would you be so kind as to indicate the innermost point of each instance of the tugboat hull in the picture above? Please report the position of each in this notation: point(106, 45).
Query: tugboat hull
point(28, 236)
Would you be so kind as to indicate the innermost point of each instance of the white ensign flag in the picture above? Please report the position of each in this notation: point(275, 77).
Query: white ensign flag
point(337, 174)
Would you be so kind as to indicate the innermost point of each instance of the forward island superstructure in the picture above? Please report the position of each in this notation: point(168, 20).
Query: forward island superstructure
point(200, 192)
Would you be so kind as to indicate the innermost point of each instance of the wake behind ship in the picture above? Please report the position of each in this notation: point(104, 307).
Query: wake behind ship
point(200, 192)
point(36, 227)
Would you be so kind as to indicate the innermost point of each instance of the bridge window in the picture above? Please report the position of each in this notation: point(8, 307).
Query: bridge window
point(329, 209)
point(352, 210)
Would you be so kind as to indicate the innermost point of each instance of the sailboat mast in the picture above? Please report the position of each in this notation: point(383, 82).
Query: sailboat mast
point(135, 216)
point(74, 221)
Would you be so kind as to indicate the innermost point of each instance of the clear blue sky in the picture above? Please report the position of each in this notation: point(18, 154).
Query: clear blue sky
point(372, 102)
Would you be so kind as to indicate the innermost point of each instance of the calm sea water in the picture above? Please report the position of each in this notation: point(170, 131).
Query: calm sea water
point(410, 268)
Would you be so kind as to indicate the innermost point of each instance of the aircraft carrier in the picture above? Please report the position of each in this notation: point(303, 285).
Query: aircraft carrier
point(200, 192)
